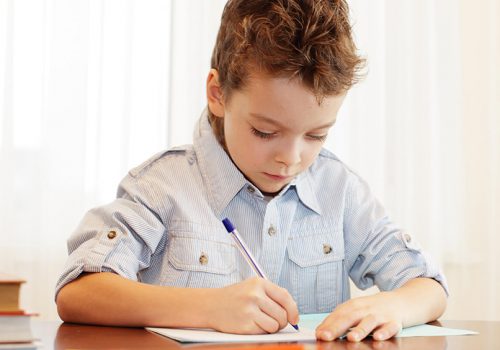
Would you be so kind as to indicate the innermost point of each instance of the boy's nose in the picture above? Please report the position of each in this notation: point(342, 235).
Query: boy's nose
point(289, 154)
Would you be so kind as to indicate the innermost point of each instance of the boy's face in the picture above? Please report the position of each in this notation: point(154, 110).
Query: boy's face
point(273, 127)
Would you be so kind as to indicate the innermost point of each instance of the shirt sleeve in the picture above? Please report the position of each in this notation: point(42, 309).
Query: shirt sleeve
point(120, 237)
point(378, 252)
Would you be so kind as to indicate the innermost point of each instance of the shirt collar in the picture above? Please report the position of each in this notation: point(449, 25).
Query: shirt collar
point(224, 180)
point(306, 190)
point(222, 177)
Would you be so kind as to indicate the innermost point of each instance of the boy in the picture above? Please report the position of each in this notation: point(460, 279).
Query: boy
point(159, 255)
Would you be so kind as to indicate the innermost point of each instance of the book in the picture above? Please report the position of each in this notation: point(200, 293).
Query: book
point(15, 328)
point(10, 287)
point(15, 323)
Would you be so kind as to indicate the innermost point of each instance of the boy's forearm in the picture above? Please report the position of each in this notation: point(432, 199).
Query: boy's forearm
point(109, 299)
point(422, 300)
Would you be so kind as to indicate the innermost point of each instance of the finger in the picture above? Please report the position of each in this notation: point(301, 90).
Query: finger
point(387, 330)
point(285, 300)
point(336, 325)
point(274, 310)
point(332, 331)
point(363, 328)
point(266, 323)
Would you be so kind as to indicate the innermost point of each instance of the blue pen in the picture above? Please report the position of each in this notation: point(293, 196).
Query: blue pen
point(246, 252)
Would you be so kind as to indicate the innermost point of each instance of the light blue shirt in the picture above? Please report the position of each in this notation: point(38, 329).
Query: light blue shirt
point(165, 228)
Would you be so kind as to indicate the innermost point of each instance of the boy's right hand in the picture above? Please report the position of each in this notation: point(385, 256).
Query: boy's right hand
point(254, 306)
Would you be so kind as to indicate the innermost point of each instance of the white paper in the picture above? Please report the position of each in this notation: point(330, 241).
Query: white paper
point(287, 334)
point(307, 325)
point(427, 330)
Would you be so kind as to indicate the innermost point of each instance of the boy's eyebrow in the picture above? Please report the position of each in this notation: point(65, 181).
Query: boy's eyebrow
point(278, 124)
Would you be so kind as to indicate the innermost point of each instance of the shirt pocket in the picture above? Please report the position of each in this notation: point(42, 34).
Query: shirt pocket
point(317, 266)
point(199, 263)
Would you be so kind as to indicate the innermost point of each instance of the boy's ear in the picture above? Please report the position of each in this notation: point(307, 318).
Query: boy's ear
point(214, 94)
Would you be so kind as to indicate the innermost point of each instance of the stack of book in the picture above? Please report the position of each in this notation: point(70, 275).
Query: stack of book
point(15, 323)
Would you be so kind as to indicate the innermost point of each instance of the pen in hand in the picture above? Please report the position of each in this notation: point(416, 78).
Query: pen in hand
point(242, 247)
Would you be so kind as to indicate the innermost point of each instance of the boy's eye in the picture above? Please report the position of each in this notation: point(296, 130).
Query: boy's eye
point(261, 134)
point(317, 137)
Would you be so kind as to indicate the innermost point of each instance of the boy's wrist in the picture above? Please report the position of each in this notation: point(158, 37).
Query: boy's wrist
point(419, 301)
point(208, 306)
point(399, 304)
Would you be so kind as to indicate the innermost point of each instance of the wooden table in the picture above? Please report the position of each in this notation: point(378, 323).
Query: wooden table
point(56, 335)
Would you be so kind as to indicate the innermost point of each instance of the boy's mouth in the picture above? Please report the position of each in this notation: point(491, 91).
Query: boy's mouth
point(278, 177)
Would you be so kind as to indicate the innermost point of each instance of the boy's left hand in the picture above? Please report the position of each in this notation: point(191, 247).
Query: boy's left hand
point(379, 315)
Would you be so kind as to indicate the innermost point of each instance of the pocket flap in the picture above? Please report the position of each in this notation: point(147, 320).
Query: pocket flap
point(316, 249)
point(194, 254)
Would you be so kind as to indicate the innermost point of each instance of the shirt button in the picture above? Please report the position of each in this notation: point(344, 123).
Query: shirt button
point(111, 234)
point(407, 237)
point(271, 230)
point(250, 189)
point(327, 249)
point(203, 259)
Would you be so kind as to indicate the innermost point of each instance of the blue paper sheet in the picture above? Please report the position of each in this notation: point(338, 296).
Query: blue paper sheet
point(311, 321)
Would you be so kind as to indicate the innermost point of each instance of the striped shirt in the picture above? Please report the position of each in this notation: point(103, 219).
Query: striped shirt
point(323, 228)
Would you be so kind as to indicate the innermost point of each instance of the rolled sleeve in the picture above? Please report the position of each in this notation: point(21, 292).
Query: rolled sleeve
point(379, 253)
point(119, 237)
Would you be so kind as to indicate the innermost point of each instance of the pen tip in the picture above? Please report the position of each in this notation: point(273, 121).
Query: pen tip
point(295, 326)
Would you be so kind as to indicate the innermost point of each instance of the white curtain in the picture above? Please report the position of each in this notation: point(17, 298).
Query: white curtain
point(91, 88)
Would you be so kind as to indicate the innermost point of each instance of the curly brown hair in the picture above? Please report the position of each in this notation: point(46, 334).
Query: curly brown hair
point(306, 39)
